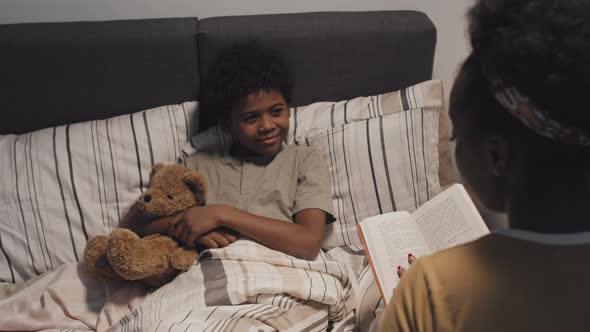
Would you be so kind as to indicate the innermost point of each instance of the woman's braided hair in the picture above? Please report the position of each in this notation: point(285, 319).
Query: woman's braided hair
point(542, 47)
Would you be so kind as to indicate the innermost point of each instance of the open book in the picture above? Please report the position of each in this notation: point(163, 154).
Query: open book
point(445, 221)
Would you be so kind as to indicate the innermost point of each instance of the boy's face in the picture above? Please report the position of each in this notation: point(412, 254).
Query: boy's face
point(261, 125)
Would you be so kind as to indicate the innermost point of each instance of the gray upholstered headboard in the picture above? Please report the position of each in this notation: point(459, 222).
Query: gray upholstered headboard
point(56, 73)
point(334, 55)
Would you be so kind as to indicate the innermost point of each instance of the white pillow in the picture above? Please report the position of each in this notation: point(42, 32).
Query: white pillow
point(64, 185)
point(385, 152)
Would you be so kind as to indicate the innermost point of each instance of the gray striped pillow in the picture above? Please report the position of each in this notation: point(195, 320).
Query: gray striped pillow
point(383, 153)
point(63, 185)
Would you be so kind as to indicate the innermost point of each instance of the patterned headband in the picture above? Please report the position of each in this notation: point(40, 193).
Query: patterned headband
point(522, 108)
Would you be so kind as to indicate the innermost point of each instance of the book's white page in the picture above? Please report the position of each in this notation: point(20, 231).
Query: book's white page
point(449, 219)
point(389, 238)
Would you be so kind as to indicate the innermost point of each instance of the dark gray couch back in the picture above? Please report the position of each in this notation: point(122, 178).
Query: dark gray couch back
point(57, 73)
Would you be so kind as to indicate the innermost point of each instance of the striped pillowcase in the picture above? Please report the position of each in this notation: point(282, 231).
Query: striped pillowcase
point(382, 151)
point(64, 185)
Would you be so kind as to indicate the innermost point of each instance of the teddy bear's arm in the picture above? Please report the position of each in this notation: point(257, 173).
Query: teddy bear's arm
point(143, 225)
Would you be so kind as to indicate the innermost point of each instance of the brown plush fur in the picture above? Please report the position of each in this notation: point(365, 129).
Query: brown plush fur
point(155, 259)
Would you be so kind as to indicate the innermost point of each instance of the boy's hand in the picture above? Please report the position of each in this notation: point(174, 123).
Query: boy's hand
point(218, 238)
point(194, 223)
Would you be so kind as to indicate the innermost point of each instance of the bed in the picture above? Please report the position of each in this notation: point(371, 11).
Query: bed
point(89, 107)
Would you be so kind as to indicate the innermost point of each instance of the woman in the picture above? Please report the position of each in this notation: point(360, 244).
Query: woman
point(522, 130)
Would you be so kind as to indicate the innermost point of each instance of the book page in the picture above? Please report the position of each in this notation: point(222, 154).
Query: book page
point(389, 238)
point(449, 219)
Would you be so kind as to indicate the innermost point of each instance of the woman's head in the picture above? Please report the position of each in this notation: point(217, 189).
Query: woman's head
point(249, 89)
point(542, 49)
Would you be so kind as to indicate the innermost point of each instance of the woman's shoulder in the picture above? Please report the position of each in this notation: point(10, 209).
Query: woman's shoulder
point(468, 250)
point(473, 259)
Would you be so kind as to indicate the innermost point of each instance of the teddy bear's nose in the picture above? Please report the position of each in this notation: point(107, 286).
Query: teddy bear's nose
point(147, 198)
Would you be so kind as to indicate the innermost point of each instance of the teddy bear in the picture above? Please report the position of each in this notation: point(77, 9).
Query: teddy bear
point(155, 259)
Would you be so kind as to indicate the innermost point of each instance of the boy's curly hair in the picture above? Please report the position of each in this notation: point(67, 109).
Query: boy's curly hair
point(540, 46)
point(238, 71)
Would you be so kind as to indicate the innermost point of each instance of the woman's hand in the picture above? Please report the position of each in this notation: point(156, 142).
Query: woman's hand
point(195, 222)
point(401, 270)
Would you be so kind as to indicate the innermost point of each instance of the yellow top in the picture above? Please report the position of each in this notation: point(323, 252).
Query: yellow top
point(506, 281)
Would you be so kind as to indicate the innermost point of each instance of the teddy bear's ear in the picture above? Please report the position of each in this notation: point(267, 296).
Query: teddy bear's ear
point(157, 167)
point(196, 182)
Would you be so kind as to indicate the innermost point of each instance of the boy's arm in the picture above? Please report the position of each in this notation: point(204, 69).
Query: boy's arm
point(301, 238)
point(144, 226)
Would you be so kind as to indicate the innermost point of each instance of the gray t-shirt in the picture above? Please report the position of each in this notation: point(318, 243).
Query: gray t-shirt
point(297, 178)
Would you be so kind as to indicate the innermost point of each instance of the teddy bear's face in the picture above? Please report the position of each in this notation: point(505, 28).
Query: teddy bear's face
point(173, 189)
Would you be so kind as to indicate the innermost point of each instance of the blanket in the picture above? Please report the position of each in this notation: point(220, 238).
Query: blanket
point(245, 286)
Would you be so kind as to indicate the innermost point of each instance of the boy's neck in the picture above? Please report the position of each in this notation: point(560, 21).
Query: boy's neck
point(238, 151)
